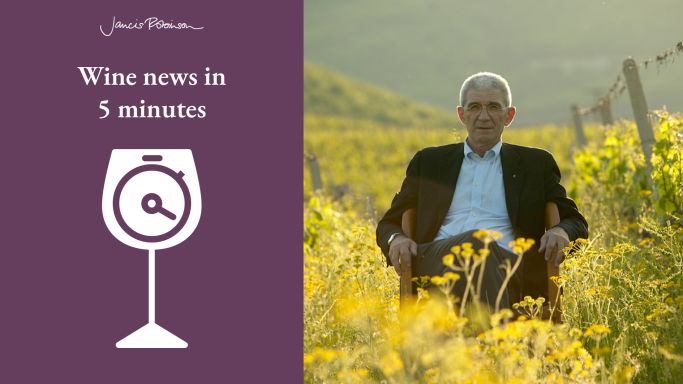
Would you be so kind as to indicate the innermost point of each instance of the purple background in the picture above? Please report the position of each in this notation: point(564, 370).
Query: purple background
point(69, 289)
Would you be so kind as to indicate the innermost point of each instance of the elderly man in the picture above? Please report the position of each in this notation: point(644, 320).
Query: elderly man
point(482, 183)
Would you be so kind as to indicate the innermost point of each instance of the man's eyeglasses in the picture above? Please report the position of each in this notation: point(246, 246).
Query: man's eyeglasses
point(492, 108)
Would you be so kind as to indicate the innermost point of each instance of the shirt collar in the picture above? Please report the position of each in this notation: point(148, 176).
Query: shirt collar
point(495, 150)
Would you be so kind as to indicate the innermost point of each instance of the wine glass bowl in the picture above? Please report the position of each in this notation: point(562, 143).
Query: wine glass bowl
point(130, 179)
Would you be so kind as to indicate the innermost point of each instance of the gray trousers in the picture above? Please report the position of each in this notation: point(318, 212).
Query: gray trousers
point(428, 262)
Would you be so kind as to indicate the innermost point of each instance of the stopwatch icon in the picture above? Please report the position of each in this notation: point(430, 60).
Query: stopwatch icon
point(152, 203)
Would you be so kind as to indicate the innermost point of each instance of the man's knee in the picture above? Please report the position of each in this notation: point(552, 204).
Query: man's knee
point(468, 237)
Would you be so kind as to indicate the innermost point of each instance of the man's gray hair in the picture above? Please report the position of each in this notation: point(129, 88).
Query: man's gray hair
point(486, 80)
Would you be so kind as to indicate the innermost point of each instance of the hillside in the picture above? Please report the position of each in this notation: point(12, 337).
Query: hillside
point(331, 94)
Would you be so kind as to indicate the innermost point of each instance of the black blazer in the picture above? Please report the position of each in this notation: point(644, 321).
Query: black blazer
point(530, 177)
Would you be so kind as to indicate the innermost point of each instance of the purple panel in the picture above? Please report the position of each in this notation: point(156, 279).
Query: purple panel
point(69, 289)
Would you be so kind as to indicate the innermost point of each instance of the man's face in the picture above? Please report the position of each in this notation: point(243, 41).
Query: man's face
point(485, 116)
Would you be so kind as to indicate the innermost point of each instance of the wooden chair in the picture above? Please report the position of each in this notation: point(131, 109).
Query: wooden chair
point(551, 219)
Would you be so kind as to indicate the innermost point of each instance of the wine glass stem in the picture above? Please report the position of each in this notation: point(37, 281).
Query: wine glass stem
point(152, 293)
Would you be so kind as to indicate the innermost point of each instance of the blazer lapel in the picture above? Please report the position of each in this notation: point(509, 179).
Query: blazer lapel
point(450, 169)
point(513, 176)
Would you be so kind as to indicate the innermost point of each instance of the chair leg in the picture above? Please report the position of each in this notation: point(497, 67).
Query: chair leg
point(406, 288)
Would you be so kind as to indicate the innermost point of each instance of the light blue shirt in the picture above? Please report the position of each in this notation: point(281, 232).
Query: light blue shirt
point(479, 198)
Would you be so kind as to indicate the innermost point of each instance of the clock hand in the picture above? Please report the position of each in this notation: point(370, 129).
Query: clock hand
point(151, 204)
point(166, 213)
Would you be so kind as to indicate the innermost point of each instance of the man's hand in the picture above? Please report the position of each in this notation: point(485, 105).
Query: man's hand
point(552, 243)
point(400, 250)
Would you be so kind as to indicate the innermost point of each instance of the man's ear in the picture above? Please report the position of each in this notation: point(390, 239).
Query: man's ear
point(461, 112)
point(512, 111)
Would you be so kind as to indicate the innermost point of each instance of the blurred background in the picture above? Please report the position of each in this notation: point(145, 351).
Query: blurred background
point(381, 81)
point(554, 53)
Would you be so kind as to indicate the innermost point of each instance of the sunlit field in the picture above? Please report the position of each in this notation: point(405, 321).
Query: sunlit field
point(622, 286)
point(369, 159)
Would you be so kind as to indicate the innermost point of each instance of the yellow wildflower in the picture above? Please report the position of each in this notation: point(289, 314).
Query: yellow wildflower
point(646, 242)
point(484, 252)
point(486, 236)
point(391, 363)
point(308, 358)
point(559, 280)
point(352, 375)
point(422, 294)
point(597, 330)
point(600, 351)
point(431, 376)
point(625, 374)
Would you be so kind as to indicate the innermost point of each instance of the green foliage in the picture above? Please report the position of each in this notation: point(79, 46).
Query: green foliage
point(667, 162)
point(613, 166)
point(636, 289)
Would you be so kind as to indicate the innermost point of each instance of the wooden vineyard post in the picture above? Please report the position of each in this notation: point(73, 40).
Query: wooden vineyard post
point(606, 112)
point(576, 115)
point(635, 91)
point(315, 172)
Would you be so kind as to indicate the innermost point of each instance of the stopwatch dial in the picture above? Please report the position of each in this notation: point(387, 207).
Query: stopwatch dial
point(152, 203)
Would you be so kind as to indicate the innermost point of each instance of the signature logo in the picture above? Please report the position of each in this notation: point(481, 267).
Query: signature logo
point(149, 24)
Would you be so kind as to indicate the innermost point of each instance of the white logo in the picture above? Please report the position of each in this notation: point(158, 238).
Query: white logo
point(149, 23)
point(151, 200)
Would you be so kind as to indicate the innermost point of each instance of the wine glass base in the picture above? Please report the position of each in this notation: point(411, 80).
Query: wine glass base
point(151, 335)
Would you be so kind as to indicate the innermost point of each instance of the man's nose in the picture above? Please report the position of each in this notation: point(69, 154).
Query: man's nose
point(484, 113)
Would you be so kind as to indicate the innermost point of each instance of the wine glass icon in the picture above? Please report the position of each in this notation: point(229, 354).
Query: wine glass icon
point(151, 200)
